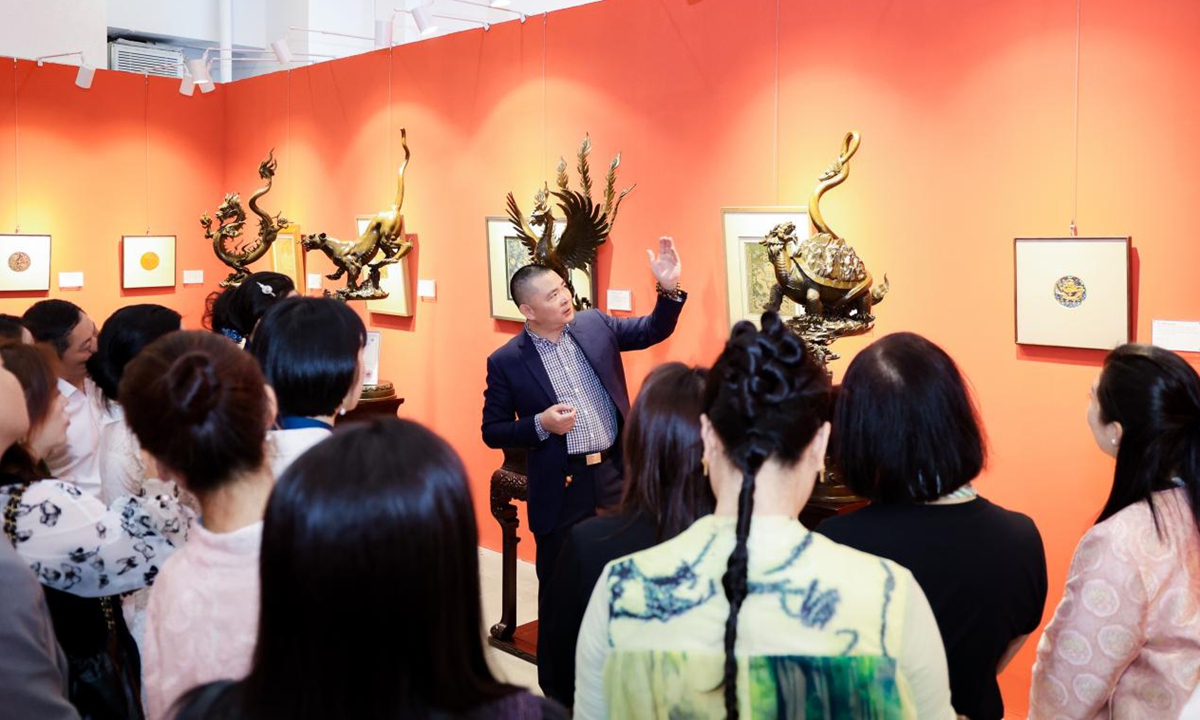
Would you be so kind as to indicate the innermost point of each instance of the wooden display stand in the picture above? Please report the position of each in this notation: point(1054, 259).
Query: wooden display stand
point(510, 483)
point(376, 401)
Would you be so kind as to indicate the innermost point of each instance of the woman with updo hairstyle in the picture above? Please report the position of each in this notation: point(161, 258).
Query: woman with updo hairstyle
point(235, 312)
point(908, 438)
point(746, 613)
point(200, 407)
point(84, 554)
point(1125, 639)
point(370, 592)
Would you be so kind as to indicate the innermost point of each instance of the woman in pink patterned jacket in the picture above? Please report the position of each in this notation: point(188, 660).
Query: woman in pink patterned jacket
point(1125, 640)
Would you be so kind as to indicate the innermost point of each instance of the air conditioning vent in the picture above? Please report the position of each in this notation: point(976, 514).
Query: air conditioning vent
point(144, 58)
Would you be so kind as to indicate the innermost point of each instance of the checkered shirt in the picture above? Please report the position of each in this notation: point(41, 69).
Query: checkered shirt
point(576, 384)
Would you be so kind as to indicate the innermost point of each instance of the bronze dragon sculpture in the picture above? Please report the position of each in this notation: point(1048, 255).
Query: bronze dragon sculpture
point(587, 225)
point(822, 273)
point(383, 233)
point(231, 218)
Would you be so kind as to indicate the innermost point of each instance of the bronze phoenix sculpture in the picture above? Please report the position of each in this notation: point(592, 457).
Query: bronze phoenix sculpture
point(383, 234)
point(587, 226)
point(231, 220)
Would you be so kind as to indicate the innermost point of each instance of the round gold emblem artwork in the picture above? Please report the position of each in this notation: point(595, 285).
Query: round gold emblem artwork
point(19, 261)
point(149, 261)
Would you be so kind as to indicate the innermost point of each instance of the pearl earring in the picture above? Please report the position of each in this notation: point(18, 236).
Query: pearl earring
point(1114, 441)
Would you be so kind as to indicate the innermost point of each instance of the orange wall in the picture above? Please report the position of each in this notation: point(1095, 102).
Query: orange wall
point(80, 165)
point(966, 112)
point(966, 115)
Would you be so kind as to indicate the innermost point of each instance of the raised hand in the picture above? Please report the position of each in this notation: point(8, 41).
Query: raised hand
point(666, 266)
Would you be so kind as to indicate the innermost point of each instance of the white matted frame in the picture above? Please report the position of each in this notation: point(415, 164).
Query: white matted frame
point(147, 261)
point(749, 276)
point(1072, 291)
point(507, 254)
point(24, 263)
point(392, 278)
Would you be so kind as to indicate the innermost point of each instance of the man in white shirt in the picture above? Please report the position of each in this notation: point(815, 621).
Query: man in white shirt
point(65, 328)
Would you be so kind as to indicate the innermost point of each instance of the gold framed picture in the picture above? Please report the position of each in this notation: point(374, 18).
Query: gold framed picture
point(392, 278)
point(147, 261)
point(507, 254)
point(24, 263)
point(287, 256)
point(749, 274)
point(1072, 291)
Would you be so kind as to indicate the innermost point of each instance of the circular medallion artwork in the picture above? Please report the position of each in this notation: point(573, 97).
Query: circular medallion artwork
point(1070, 291)
point(19, 261)
point(149, 261)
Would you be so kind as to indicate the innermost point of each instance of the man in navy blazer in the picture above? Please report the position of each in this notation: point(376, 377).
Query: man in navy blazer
point(558, 389)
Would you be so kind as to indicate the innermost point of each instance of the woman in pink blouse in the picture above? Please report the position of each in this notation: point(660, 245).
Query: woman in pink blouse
point(200, 407)
point(1125, 640)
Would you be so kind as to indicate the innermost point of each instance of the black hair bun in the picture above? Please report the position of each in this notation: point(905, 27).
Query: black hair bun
point(192, 387)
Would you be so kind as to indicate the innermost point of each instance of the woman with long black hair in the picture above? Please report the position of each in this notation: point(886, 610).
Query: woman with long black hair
point(747, 613)
point(1125, 640)
point(370, 592)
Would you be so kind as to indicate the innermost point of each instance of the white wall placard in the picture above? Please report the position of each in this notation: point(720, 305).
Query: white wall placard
point(1177, 335)
point(70, 279)
point(193, 277)
point(620, 300)
point(371, 358)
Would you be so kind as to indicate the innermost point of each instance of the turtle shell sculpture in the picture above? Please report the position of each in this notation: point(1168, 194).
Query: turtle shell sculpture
point(822, 273)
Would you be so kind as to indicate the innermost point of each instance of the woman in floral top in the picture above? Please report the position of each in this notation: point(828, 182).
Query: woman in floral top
point(1125, 640)
point(84, 553)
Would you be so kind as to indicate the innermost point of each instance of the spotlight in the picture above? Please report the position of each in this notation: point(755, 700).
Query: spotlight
point(199, 70)
point(187, 86)
point(282, 52)
point(424, 20)
point(83, 78)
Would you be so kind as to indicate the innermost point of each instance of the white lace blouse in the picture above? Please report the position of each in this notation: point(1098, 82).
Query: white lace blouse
point(74, 543)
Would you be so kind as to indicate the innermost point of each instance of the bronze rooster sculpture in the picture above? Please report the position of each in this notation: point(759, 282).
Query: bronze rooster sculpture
point(587, 226)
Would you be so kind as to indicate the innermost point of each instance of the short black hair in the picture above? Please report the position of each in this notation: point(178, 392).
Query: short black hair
point(308, 349)
point(11, 327)
point(518, 287)
point(905, 428)
point(51, 321)
point(123, 336)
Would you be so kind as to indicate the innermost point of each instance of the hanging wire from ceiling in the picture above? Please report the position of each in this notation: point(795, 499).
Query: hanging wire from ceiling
point(1074, 227)
point(16, 158)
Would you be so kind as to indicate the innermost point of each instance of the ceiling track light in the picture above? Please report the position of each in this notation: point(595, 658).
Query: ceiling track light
point(424, 19)
point(501, 5)
point(85, 74)
point(486, 25)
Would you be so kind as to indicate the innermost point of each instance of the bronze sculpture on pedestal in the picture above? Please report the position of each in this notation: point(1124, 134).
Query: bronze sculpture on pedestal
point(384, 233)
point(821, 273)
point(231, 219)
point(587, 226)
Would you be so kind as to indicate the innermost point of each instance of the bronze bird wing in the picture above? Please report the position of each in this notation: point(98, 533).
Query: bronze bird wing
point(521, 226)
point(586, 230)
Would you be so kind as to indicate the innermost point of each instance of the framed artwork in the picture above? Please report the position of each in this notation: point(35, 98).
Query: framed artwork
point(392, 278)
point(287, 256)
point(507, 254)
point(748, 272)
point(24, 262)
point(147, 261)
point(1072, 292)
